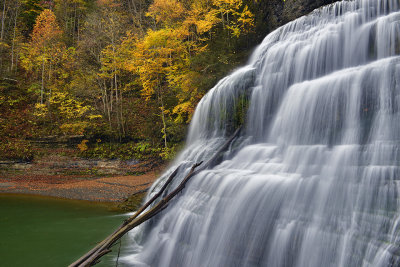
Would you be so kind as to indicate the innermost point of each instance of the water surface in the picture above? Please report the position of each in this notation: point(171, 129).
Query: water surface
point(41, 231)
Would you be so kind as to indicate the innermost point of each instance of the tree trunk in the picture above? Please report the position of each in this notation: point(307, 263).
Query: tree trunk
point(74, 25)
point(121, 112)
point(42, 87)
point(163, 120)
point(2, 34)
point(139, 217)
point(3, 16)
point(16, 62)
point(14, 36)
point(78, 31)
point(117, 100)
point(107, 102)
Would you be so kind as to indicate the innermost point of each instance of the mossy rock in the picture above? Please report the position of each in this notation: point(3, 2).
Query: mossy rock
point(133, 202)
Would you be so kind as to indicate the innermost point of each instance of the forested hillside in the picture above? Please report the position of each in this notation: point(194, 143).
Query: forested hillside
point(123, 75)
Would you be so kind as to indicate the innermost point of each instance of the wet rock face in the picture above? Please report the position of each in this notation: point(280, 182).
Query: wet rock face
point(292, 9)
point(275, 13)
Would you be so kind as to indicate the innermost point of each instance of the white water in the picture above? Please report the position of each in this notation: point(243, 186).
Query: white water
point(314, 179)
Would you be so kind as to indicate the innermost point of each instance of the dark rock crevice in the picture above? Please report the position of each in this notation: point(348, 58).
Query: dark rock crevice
point(272, 14)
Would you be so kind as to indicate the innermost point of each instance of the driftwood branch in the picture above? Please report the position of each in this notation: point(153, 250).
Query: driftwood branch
point(137, 213)
point(9, 79)
point(142, 215)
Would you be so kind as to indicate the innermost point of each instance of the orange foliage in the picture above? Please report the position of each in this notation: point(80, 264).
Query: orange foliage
point(167, 11)
point(46, 29)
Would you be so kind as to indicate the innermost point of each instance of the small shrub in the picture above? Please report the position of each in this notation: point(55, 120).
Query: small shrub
point(168, 153)
point(132, 150)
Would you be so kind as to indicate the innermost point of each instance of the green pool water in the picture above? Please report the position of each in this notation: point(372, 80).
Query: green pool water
point(37, 231)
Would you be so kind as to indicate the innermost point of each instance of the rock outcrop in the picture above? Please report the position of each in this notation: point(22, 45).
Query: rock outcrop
point(271, 14)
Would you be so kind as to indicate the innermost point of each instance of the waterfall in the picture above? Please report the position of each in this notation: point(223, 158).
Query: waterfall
point(314, 178)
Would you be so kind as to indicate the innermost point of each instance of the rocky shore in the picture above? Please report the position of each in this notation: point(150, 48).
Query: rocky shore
point(81, 179)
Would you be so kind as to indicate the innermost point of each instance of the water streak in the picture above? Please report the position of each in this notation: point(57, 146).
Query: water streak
point(314, 180)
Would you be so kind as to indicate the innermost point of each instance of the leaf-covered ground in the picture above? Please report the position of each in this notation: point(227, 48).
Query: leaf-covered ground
point(78, 179)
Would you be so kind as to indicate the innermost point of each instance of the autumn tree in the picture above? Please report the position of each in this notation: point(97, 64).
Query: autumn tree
point(191, 24)
point(44, 49)
point(52, 66)
point(120, 70)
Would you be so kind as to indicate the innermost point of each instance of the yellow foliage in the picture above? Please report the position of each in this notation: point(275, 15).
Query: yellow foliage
point(162, 58)
point(94, 117)
point(155, 56)
point(183, 109)
point(83, 145)
point(4, 45)
point(238, 16)
point(167, 11)
point(68, 107)
point(41, 110)
point(74, 128)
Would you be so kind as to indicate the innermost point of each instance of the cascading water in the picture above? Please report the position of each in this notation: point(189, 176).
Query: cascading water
point(314, 178)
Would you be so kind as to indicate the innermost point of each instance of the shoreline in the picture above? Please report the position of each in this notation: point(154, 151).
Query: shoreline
point(111, 206)
point(114, 189)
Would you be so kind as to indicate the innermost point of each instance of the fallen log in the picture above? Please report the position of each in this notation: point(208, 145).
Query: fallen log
point(104, 247)
point(137, 213)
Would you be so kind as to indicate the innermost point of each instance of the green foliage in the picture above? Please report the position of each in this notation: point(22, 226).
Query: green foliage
point(240, 112)
point(131, 150)
point(133, 202)
point(169, 153)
